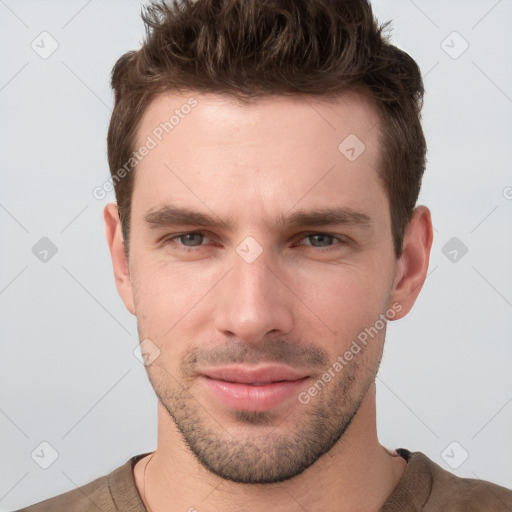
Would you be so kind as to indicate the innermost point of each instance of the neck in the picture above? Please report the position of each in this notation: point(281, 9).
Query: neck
point(357, 474)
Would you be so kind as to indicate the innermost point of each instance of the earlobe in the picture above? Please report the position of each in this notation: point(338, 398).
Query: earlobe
point(120, 265)
point(412, 267)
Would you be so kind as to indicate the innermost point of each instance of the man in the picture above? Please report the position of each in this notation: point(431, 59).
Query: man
point(267, 158)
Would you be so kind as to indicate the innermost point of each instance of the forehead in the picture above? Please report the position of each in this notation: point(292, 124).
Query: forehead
point(211, 150)
point(216, 117)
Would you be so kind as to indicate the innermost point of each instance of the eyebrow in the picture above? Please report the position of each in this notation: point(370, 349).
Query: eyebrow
point(327, 217)
point(169, 216)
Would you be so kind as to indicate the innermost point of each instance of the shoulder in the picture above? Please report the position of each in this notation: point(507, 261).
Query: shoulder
point(111, 492)
point(466, 494)
point(449, 492)
point(90, 497)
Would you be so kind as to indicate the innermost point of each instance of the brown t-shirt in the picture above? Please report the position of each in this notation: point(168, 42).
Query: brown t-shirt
point(424, 486)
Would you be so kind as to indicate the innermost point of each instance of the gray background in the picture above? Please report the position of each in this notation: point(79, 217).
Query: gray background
point(68, 373)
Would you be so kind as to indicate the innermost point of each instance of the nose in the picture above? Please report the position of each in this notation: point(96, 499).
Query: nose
point(254, 301)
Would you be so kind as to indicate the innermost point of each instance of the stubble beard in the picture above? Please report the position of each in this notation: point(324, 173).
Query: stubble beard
point(270, 455)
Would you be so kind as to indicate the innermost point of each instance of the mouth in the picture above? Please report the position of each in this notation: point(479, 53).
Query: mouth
point(253, 389)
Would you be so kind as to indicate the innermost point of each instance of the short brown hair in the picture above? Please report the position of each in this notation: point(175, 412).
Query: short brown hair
point(248, 49)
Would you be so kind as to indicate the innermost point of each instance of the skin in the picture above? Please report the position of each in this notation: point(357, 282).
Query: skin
point(302, 301)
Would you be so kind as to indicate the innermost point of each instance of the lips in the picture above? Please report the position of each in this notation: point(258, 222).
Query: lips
point(246, 375)
point(253, 389)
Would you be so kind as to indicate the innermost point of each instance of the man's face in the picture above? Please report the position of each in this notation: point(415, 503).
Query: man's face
point(250, 311)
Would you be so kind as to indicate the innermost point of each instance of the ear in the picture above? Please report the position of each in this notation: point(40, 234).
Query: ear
point(412, 266)
point(119, 262)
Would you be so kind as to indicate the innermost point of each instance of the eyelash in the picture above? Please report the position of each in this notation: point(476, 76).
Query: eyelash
point(171, 240)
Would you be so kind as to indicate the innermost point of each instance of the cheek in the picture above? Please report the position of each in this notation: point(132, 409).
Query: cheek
point(347, 299)
point(167, 295)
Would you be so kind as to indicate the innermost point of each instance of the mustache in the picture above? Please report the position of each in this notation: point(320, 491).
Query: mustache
point(267, 351)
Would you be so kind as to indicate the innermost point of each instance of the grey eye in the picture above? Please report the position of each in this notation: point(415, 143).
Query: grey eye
point(191, 239)
point(320, 240)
